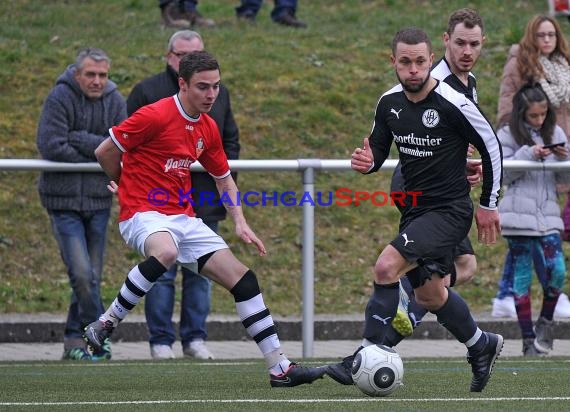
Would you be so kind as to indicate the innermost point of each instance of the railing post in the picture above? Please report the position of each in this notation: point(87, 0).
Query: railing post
point(308, 252)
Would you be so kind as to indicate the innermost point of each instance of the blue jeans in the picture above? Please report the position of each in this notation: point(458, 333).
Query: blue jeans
point(81, 238)
point(194, 308)
point(251, 7)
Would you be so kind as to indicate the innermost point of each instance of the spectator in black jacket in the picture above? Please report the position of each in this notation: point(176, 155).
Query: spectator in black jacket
point(196, 289)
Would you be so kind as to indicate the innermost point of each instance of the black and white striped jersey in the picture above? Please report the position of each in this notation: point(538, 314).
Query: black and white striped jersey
point(432, 138)
point(441, 71)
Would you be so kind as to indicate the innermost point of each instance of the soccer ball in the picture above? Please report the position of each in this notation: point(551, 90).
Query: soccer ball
point(377, 370)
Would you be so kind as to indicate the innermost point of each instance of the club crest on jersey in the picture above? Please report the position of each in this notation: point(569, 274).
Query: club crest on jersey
point(430, 118)
point(199, 147)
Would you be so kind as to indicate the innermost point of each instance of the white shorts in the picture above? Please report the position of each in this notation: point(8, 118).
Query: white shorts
point(191, 236)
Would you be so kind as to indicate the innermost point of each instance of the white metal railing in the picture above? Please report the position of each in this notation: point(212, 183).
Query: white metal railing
point(308, 167)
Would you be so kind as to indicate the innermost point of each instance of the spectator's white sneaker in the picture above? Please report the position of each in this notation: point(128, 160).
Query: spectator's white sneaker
point(198, 349)
point(562, 309)
point(504, 308)
point(161, 352)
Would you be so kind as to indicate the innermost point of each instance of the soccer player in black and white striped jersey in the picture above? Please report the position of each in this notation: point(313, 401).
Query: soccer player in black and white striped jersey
point(432, 125)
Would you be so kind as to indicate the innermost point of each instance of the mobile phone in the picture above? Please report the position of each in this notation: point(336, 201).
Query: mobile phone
point(553, 145)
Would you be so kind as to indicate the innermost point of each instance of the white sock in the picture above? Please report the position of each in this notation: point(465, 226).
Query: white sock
point(280, 367)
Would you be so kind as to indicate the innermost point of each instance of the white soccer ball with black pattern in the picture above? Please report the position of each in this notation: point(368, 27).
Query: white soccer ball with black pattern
point(377, 370)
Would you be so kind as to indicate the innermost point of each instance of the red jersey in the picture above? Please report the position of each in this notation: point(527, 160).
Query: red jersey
point(159, 143)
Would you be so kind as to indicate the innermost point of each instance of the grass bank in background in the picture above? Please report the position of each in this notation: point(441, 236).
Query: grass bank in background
point(295, 94)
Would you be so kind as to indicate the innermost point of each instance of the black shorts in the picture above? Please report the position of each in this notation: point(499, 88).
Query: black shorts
point(464, 248)
point(431, 233)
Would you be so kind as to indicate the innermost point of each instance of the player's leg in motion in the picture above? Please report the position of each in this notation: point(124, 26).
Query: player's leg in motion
point(139, 281)
point(380, 310)
point(462, 271)
point(451, 311)
point(402, 327)
point(223, 267)
point(483, 347)
point(162, 253)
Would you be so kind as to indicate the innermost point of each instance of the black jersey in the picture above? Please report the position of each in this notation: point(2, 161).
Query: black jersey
point(432, 137)
point(441, 71)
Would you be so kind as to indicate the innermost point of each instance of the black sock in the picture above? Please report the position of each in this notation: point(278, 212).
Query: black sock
point(392, 338)
point(454, 315)
point(380, 311)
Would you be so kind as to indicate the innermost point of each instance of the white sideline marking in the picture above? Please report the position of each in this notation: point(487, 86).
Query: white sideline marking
point(190, 401)
point(121, 364)
point(501, 362)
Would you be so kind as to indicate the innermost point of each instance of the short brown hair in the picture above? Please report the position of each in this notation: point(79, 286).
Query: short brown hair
point(411, 35)
point(196, 62)
point(469, 17)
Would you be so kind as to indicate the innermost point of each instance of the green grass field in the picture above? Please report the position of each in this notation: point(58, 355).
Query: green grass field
point(429, 385)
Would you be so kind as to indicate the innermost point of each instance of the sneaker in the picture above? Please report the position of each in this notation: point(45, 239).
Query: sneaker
point(543, 329)
point(482, 362)
point(296, 375)
point(80, 354)
point(198, 349)
point(562, 309)
point(401, 322)
point(96, 334)
point(290, 20)
point(161, 352)
point(197, 20)
point(504, 308)
point(341, 372)
point(105, 352)
point(171, 16)
point(529, 349)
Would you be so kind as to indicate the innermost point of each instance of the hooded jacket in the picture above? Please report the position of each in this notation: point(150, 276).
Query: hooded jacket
point(71, 127)
point(165, 84)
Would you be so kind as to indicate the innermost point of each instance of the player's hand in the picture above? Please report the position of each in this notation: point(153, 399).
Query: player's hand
point(488, 225)
point(248, 236)
point(362, 158)
point(113, 187)
point(470, 150)
point(474, 172)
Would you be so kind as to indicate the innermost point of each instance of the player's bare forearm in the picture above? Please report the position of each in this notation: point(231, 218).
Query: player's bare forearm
point(109, 157)
point(488, 225)
point(228, 189)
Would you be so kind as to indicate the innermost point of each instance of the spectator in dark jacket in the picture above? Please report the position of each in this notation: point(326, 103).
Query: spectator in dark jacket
point(76, 117)
point(196, 289)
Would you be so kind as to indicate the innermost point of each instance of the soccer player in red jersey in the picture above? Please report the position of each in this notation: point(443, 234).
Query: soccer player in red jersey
point(156, 147)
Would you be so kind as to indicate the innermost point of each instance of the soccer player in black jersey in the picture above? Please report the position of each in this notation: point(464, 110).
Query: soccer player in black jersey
point(432, 125)
point(463, 42)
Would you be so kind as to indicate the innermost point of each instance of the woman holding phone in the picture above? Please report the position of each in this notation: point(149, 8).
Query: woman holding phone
point(530, 215)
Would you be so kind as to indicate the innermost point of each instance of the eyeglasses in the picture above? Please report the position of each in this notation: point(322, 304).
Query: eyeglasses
point(179, 54)
point(543, 35)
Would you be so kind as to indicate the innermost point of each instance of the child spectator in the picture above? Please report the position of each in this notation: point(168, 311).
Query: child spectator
point(530, 215)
